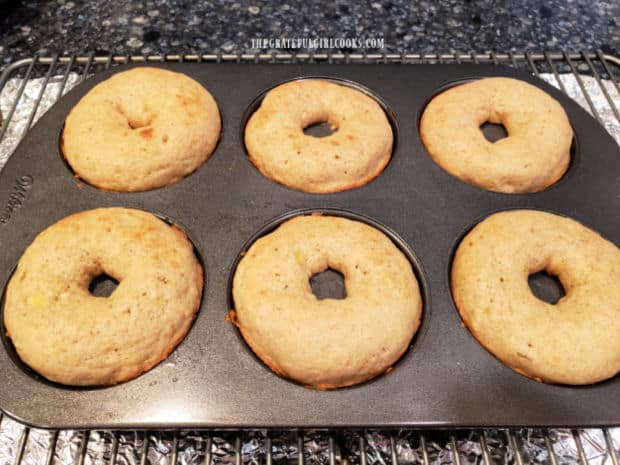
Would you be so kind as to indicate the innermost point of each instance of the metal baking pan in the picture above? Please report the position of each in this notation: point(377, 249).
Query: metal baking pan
point(446, 379)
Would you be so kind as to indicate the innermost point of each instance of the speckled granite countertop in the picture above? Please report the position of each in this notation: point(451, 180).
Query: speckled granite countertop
point(173, 26)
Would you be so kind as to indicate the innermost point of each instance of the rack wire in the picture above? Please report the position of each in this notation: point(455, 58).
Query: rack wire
point(301, 447)
point(340, 447)
point(596, 64)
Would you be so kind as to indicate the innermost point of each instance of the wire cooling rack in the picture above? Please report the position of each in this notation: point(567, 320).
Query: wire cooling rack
point(29, 87)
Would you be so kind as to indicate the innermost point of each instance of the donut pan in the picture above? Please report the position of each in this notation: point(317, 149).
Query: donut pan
point(446, 379)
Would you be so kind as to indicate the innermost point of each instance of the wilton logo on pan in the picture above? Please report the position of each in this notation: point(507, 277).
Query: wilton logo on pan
point(16, 198)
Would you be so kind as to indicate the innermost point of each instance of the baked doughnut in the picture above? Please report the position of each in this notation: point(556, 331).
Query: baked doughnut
point(141, 129)
point(535, 154)
point(350, 157)
point(70, 336)
point(575, 340)
point(327, 343)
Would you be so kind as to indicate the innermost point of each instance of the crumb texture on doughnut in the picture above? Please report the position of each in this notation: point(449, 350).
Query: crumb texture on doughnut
point(68, 335)
point(352, 156)
point(326, 343)
point(141, 129)
point(575, 340)
point(536, 153)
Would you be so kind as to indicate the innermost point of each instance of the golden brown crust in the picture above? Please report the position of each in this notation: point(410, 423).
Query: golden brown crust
point(141, 129)
point(72, 337)
point(570, 342)
point(536, 153)
point(326, 344)
point(350, 157)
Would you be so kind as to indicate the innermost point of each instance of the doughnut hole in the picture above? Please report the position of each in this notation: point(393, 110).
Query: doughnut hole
point(548, 279)
point(319, 123)
point(493, 131)
point(102, 285)
point(546, 286)
point(492, 125)
point(320, 129)
point(328, 284)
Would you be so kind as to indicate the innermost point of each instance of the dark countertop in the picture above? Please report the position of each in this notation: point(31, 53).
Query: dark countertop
point(173, 26)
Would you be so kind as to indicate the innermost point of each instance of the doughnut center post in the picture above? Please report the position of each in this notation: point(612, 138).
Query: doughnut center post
point(493, 131)
point(134, 120)
point(321, 128)
point(328, 284)
point(135, 123)
point(102, 285)
point(546, 286)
